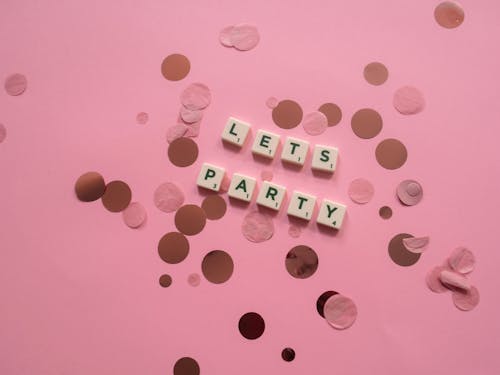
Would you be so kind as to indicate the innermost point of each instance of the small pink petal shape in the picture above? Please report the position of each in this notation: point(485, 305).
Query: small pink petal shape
point(142, 118)
point(454, 279)
point(416, 245)
point(410, 192)
point(225, 36)
point(272, 102)
point(433, 280)
point(244, 37)
point(340, 312)
point(3, 133)
point(257, 227)
point(266, 175)
point(224, 185)
point(315, 123)
point(176, 131)
point(408, 100)
point(294, 231)
point(196, 96)
point(190, 116)
point(193, 130)
point(466, 300)
point(194, 279)
point(134, 215)
point(361, 191)
point(168, 197)
point(462, 260)
point(16, 84)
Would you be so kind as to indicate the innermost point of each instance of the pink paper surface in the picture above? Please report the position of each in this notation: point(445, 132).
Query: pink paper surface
point(80, 292)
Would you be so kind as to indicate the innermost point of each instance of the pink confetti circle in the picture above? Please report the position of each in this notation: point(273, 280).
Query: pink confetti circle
point(168, 197)
point(416, 244)
point(454, 280)
point(196, 96)
point(466, 300)
point(433, 280)
point(194, 279)
point(244, 37)
point(176, 131)
point(361, 191)
point(462, 260)
point(190, 116)
point(16, 84)
point(266, 175)
point(142, 118)
point(294, 231)
point(225, 36)
point(193, 130)
point(408, 100)
point(134, 215)
point(315, 123)
point(257, 227)
point(272, 102)
point(410, 192)
point(340, 312)
point(3, 133)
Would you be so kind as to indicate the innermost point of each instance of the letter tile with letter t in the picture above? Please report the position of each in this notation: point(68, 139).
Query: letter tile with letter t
point(242, 187)
point(324, 158)
point(295, 151)
point(271, 195)
point(210, 177)
point(331, 214)
point(235, 131)
point(265, 144)
point(301, 205)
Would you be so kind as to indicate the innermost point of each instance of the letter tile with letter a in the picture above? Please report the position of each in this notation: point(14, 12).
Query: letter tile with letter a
point(242, 187)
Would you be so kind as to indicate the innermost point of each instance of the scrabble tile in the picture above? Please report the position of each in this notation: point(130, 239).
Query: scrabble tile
point(324, 158)
point(242, 187)
point(295, 151)
point(271, 195)
point(331, 214)
point(301, 205)
point(235, 131)
point(210, 177)
point(265, 144)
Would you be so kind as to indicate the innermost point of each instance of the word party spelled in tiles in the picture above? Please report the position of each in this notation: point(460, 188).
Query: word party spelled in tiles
point(266, 144)
point(273, 196)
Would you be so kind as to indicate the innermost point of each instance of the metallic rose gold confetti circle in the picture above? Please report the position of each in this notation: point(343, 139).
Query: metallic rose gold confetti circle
point(190, 219)
point(287, 114)
point(449, 14)
point(196, 96)
point(16, 84)
point(408, 100)
point(294, 231)
point(340, 311)
point(462, 260)
point(134, 215)
point(168, 197)
point(225, 36)
point(251, 325)
point(3, 133)
point(332, 112)
point(466, 300)
point(376, 73)
point(272, 102)
point(90, 187)
point(391, 154)
point(385, 212)
point(244, 37)
point(214, 207)
point(433, 280)
point(175, 67)
point(117, 196)
point(173, 247)
point(288, 354)
point(398, 252)
point(366, 123)
point(361, 191)
point(320, 303)
point(165, 280)
point(190, 116)
point(315, 123)
point(257, 227)
point(194, 279)
point(183, 152)
point(142, 118)
point(410, 192)
point(301, 262)
point(186, 366)
point(217, 266)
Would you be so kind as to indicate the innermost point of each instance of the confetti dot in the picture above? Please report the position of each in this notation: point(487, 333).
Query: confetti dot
point(366, 123)
point(287, 114)
point(90, 187)
point(194, 279)
point(454, 280)
point(272, 102)
point(186, 366)
point(168, 197)
point(183, 152)
point(165, 280)
point(117, 196)
point(225, 36)
point(408, 100)
point(175, 67)
point(16, 84)
point(190, 116)
point(142, 118)
point(266, 175)
point(251, 325)
point(244, 37)
point(257, 227)
point(332, 112)
point(217, 266)
point(340, 311)
point(193, 130)
point(462, 260)
point(134, 215)
point(315, 123)
point(173, 247)
point(301, 262)
point(391, 154)
point(376, 73)
point(288, 354)
point(190, 219)
point(433, 280)
point(361, 191)
point(416, 244)
point(466, 300)
point(176, 131)
point(214, 207)
point(398, 252)
point(196, 96)
point(385, 212)
point(449, 14)
point(3, 133)
point(320, 303)
point(410, 192)
point(294, 231)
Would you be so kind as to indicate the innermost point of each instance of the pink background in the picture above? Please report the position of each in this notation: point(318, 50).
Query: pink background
point(79, 289)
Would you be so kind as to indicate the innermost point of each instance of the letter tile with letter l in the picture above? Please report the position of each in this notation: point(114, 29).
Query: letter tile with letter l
point(235, 131)
point(210, 177)
point(242, 187)
point(295, 151)
point(265, 144)
point(331, 214)
point(324, 158)
point(271, 195)
point(301, 205)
